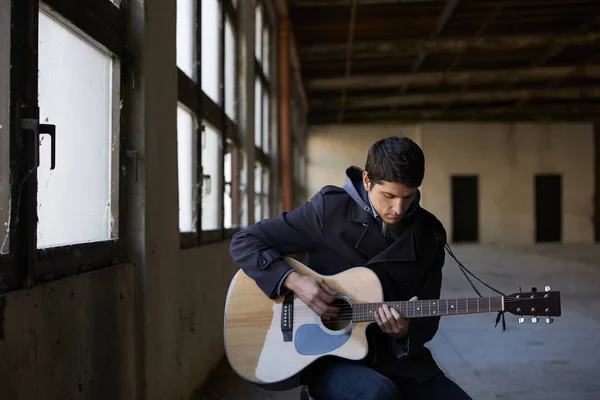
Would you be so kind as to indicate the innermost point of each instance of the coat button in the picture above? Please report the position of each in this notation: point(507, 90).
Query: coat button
point(262, 262)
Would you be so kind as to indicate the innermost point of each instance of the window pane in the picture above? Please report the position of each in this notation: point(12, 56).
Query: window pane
point(266, 142)
point(229, 70)
point(257, 113)
point(4, 128)
point(266, 50)
point(244, 216)
point(232, 185)
point(77, 202)
point(186, 169)
point(211, 190)
point(258, 36)
point(186, 37)
point(227, 198)
point(257, 192)
point(210, 48)
point(266, 191)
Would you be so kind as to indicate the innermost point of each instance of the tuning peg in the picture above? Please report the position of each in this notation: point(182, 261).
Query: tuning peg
point(534, 320)
point(534, 289)
point(548, 288)
point(521, 320)
point(549, 320)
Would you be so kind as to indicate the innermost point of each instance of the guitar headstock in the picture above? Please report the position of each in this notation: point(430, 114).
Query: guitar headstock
point(536, 304)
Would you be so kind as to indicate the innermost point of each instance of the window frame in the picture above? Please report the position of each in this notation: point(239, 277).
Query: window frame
point(191, 95)
point(25, 264)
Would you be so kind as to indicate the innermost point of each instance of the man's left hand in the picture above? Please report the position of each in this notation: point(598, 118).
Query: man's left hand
point(391, 322)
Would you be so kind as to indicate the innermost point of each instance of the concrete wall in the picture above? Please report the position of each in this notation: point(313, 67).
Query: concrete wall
point(505, 156)
point(135, 330)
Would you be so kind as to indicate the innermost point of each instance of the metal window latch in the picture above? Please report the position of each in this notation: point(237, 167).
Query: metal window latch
point(206, 182)
point(33, 125)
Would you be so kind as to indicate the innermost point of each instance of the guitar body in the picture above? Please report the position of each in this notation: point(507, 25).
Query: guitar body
point(258, 349)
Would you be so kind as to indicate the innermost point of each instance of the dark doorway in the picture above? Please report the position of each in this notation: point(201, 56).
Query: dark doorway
point(465, 209)
point(548, 208)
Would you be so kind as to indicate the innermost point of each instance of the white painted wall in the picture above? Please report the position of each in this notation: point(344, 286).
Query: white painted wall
point(505, 156)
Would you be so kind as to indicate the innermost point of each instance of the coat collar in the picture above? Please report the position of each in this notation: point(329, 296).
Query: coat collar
point(374, 245)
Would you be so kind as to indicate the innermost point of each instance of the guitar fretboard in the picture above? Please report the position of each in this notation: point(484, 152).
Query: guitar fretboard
point(365, 312)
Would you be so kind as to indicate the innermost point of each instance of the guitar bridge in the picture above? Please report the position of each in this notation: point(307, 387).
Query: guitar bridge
point(287, 317)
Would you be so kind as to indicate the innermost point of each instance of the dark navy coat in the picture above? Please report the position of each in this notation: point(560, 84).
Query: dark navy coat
point(337, 231)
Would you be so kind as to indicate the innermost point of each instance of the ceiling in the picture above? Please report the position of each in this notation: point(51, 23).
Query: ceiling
point(414, 60)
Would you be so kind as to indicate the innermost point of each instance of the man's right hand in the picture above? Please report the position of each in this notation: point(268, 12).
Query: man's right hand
point(314, 292)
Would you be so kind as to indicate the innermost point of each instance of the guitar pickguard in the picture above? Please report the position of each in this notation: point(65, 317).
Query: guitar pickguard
point(311, 340)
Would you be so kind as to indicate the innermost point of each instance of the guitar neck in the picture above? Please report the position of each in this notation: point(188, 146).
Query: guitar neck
point(365, 312)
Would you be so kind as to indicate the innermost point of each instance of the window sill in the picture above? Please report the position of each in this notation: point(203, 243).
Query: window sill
point(66, 261)
point(190, 240)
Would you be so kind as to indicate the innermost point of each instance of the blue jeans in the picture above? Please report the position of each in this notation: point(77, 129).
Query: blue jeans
point(345, 380)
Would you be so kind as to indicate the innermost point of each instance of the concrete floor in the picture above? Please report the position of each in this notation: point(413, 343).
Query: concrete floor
point(529, 361)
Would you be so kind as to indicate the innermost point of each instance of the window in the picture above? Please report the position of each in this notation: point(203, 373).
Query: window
point(60, 211)
point(211, 178)
point(186, 167)
point(262, 105)
point(210, 48)
point(76, 204)
point(209, 184)
point(186, 49)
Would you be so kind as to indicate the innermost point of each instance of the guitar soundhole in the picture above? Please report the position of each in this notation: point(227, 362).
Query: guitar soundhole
point(343, 319)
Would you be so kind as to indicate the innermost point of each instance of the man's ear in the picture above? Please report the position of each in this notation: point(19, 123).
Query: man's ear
point(366, 181)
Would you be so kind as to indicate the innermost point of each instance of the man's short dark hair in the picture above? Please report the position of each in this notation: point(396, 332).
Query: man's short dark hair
point(396, 159)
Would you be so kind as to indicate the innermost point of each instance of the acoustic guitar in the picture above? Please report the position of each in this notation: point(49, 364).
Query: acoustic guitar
point(269, 342)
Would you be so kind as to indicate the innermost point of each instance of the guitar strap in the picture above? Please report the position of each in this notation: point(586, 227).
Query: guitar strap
point(463, 269)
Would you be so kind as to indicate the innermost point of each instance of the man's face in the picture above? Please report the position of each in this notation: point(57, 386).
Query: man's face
point(391, 200)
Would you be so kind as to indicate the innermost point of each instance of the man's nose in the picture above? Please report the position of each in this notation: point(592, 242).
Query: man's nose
point(398, 207)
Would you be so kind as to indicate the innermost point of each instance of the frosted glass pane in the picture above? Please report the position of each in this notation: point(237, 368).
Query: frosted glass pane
point(4, 130)
point(211, 192)
point(75, 94)
point(258, 33)
point(230, 53)
point(257, 113)
point(257, 192)
point(186, 169)
point(265, 197)
point(186, 36)
point(266, 126)
point(266, 51)
point(210, 48)
point(228, 203)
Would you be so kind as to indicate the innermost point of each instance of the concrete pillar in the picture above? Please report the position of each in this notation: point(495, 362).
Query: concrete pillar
point(246, 76)
point(285, 129)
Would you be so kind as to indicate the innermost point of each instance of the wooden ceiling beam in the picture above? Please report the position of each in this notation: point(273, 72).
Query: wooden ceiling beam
point(344, 3)
point(366, 82)
point(570, 93)
point(552, 111)
point(322, 52)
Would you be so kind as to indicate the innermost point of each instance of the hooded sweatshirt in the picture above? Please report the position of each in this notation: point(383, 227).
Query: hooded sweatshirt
point(355, 188)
